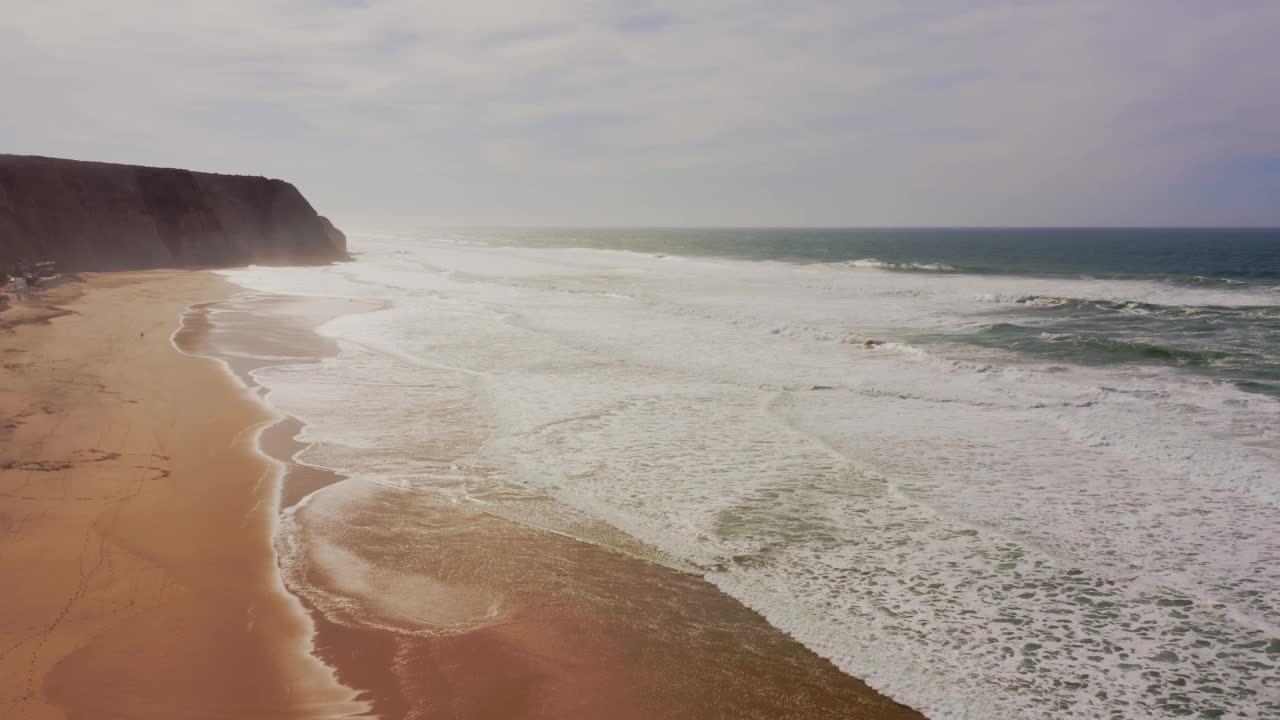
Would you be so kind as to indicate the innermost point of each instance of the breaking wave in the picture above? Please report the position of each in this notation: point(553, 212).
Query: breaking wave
point(1096, 349)
point(929, 267)
point(1137, 307)
point(1125, 350)
point(1202, 281)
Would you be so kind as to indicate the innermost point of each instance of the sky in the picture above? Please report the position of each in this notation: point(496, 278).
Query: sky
point(392, 114)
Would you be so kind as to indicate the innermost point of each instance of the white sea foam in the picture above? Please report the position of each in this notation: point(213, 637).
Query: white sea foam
point(979, 535)
point(902, 266)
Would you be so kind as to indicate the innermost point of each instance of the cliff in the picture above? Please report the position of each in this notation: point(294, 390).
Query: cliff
point(100, 216)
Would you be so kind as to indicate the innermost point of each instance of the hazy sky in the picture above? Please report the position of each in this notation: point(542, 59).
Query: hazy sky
point(389, 113)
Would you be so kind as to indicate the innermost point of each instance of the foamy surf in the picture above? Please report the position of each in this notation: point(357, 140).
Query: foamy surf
point(978, 533)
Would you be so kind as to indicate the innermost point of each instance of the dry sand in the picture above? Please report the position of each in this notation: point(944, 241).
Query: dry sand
point(136, 520)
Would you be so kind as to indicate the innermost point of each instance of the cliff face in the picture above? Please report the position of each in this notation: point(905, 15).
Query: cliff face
point(99, 216)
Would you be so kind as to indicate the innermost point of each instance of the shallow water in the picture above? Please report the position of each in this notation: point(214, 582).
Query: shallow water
point(991, 495)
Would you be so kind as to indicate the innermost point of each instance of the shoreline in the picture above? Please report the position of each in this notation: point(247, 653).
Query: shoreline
point(529, 661)
point(138, 516)
point(193, 587)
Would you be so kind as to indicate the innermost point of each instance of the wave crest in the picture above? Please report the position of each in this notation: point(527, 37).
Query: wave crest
point(1136, 307)
point(932, 267)
point(1115, 349)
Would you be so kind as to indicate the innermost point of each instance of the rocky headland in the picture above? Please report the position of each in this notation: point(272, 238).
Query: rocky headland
point(91, 216)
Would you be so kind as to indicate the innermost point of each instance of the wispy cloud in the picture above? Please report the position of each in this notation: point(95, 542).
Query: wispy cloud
point(713, 111)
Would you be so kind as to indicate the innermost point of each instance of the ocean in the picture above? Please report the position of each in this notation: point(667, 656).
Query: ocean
point(995, 473)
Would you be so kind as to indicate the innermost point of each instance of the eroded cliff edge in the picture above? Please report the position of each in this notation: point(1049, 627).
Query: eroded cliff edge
point(102, 216)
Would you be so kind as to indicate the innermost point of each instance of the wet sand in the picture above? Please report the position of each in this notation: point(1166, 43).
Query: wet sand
point(136, 520)
point(517, 622)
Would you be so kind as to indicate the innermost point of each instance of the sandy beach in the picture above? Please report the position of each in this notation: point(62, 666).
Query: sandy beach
point(138, 518)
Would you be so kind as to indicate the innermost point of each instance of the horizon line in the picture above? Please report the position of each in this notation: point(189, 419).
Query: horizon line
point(566, 226)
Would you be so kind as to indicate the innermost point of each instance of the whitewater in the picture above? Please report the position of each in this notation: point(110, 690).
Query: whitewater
point(977, 532)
